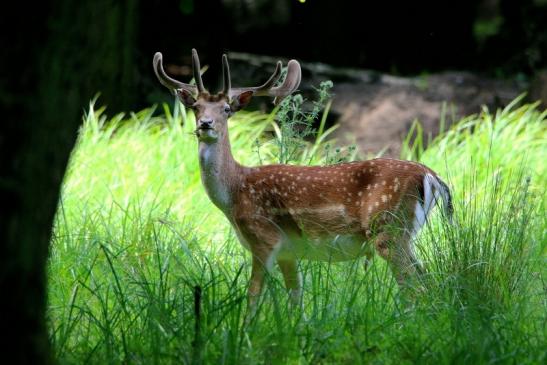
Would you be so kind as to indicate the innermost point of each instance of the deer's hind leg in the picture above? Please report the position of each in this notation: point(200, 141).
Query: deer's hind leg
point(399, 255)
point(395, 241)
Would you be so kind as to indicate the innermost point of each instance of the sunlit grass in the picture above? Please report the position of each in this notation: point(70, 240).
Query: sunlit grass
point(136, 234)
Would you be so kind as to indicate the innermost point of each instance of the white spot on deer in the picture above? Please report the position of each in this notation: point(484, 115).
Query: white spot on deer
point(395, 188)
point(383, 182)
point(360, 193)
point(370, 208)
point(375, 185)
point(376, 204)
point(384, 198)
point(368, 187)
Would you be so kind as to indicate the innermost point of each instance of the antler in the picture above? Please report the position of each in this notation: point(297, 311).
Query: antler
point(197, 71)
point(173, 84)
point(291, 82)
point(227, 83)
point(167, 81)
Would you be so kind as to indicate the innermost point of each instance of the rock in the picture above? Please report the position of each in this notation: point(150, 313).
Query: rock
point(378, 116)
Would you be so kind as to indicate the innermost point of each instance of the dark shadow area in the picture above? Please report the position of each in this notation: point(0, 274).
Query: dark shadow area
point(58, 54)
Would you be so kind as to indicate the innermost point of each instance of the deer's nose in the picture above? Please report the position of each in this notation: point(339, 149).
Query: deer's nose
point(206, 123)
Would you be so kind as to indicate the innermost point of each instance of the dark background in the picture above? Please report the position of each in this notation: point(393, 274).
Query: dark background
point(57, 54)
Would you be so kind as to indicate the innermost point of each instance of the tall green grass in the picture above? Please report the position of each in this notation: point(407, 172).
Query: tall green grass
point(145, 270)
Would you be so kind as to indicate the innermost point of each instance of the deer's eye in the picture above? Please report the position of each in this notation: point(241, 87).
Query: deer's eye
point(227, 109)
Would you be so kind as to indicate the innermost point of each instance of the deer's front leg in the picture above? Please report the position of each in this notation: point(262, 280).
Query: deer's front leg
point(263, 257)
point(263, 239)
point(293, 280)
point(257, 281)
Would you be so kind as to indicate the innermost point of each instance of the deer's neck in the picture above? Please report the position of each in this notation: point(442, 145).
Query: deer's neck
point(220, 173)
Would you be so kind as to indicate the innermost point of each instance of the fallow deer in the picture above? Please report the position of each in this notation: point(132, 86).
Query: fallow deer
point(284, 213)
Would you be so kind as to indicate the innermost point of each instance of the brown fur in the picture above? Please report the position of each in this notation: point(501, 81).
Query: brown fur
point(273, 201)
point(364, 189)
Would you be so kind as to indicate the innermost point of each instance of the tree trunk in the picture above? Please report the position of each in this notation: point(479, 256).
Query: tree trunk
point(63, 53)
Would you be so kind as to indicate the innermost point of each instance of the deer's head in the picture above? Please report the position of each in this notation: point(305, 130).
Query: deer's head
point(213, 110)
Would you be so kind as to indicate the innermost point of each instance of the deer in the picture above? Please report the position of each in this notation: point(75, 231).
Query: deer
point(286, 213)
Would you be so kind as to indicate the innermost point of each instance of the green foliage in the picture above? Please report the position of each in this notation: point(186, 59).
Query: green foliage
point(486, 28)
point(135, 234)
point(294, 129)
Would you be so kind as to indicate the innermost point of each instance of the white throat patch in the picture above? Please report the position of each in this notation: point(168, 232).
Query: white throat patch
point(212, 176)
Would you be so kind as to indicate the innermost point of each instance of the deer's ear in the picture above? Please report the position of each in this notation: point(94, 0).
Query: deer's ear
point(185, 98)
point(240, 101)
